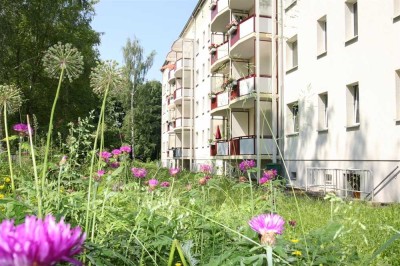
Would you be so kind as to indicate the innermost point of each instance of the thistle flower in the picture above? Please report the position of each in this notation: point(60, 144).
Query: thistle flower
point(267, 225)
point(106, 76)
point(63, 57)
point(205, 168)
point(105, 155)
point(246, 164)
point(165, 184)
point(116, 152)
point(10, 96)
point(173, 171)
point(153, 182)
point(21, 128)
point(114, 165)
point(39, 242)
point(203, 181)
point(126, 149)
point(139, 172)
point(100, 173)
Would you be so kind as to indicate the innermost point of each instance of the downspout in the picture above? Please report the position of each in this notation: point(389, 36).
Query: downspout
point(274, 62)
point(281, 139)
point(258, 109)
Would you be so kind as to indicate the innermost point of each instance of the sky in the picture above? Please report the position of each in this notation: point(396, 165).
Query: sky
point(156, 23)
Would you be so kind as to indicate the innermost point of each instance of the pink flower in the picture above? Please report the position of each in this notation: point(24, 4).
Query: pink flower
point(139, 172)
point(247, 164)
point(205, 168)
point(114, 165)
point(267, 225)
point(21, 128)
point(173, 171)
point(116, 152)
point(105, 155)
point(100, 173)
point(39, 242)
point(165, 184)
point(126, 149)
point(153, 183)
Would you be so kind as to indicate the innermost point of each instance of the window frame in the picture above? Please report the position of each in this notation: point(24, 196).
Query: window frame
point(351, 21)
point(293, 118)
point(292, 54)
point(323, 115)
point(353, 105)
point(322, 37)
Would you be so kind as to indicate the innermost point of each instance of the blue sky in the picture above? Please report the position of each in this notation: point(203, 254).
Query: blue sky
point(156, 23)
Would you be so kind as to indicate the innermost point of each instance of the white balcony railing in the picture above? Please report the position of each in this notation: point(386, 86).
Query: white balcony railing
point(223, 99)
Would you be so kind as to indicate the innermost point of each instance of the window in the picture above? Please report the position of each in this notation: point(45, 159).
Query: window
point(196, 47)
point(397, 94)
point(396, 10)
point(204, 39)
point(353, 105)
point(322, 37)
point(292, 53)
point(328, 179)
point(351, 16)
point(204, 71)
point(289, 4)
point(293, 175)
point(293, 118)
point(323, 111)
point(197, 76)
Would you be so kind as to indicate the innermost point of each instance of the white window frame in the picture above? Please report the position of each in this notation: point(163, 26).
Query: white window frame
point(293, 118)
point(397, 84)
point(292, 53)
point(396, 9)
point(351, 17)
point(353, 105)
point(323, 104)
point(289, 4)
point(322, 36)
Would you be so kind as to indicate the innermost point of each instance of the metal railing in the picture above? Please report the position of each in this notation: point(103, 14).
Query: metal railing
point(347, 183)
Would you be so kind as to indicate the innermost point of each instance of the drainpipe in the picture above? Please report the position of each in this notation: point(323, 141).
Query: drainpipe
point(281, 83)
point(274, 62)
point(258, 109)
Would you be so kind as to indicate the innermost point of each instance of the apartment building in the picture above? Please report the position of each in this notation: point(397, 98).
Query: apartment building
point(320, 79)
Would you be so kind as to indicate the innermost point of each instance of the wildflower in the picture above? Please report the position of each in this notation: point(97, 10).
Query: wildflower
point(126, 149)
point(63, 57)
point(1, 196)
point(205, 168)
point(21, 128)
point(292, 223)
point(100, 173)
point(10, 96)
point(116, 152)
point(296, 253)
point(39, 242)
point(7, 180)
point(242, 179)
point(294, 241)
point(263, 180)
point(165, 184)
point(105, 155)
point(63, 160)
point(246, 164)
point(139, 172)
point(202, 181)
point(1, 186)
point(153, 184)
point(207, 177)
point(267, 225)
point(114, 165)
point(173, 171)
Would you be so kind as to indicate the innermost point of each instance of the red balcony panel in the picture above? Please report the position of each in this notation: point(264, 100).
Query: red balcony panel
point(213, 150)
point(214, 57)
point(214, 103)
point(235, 36)
point(214, 11)
point(234, 147)
point(235, 92)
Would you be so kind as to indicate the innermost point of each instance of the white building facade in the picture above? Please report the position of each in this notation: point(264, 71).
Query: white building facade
point(327, 89)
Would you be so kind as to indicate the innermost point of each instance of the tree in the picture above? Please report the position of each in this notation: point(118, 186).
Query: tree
point(147, 117)
point(136, 69)
point(28, 28)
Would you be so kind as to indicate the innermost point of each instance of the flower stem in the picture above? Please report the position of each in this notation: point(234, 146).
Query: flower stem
point(8, 150)
point(269, 256)
point(251, 194)
point(46, 153)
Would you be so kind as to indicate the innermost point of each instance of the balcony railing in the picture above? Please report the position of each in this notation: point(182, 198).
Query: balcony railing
point(181, 152)
point(247, 85)
point(222, 99)
point(248, 26)
point(244, 145)
point(182, 122)
point(182, 92)
point(221, 5)
point(222, 51)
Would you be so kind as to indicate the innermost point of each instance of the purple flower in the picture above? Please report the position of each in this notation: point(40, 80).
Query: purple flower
point(263, 180)
point(246, 164)
point(116, 152)
point(205, 168)
point(153, 182)
point(292, 223)
point(139, 172)
point(173, 171)
point(21, 128)
point(114, 165)
point(100, 173)
point(267, 176)
point(126, 149)
point(105, 155)
point(267, 225)
point(38, 242)
point(165, 184)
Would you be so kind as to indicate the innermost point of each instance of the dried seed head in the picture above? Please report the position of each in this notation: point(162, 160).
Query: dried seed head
point(107, 75)
point(60, 56)
point(10, 96)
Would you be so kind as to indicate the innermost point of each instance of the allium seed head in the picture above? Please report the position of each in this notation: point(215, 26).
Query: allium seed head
point(10, 96)
point(106, 75)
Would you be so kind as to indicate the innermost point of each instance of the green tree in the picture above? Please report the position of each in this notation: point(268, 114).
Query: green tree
point(28, 29)
point(136, 66)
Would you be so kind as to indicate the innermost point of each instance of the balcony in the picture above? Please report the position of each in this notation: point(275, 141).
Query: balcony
point(182, 93)
point(220, 16)
point(220, 102)
point(171, 76)
point(182, 123)
point(220, 56)
point(183, 68)
point(242, 41)
point(181, 152)
point(243, 146)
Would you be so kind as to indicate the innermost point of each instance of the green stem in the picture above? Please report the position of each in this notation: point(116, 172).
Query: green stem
point(38, 195)
point(46, 154)
point(251, 194)
point(19, 152)
point(94, 214)
point(269, 256)
point(58, 187)
point(92, 161)
point(9, 150)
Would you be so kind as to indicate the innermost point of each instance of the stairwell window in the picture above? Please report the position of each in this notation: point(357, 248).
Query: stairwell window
point(292, 54)
point(397, 75)
point(293, 118)
point(322, 37)
point(353, 105)
point(351, 17)
point(323, 111)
